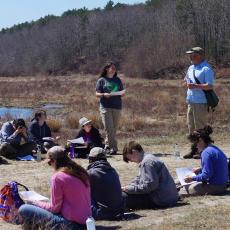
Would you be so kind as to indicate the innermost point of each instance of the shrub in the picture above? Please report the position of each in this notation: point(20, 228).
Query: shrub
point(72, 121)
point(54, 124)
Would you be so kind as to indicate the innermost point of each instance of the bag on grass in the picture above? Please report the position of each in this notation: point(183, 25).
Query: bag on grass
point(10, 202)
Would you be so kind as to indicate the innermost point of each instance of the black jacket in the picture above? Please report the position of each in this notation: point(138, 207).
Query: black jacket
point(95, 137)
point(106, 187)
point(37, 132)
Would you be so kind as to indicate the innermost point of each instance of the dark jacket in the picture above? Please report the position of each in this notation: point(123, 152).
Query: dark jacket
point(95, 136)
point(105, 189)
point(37, 132)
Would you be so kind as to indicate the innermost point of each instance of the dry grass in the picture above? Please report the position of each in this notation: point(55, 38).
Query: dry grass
point(153, 114)
point(209, 212)
point(54, 124)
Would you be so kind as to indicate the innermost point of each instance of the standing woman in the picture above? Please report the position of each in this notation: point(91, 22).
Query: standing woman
point(110, 106)
point(70, 203)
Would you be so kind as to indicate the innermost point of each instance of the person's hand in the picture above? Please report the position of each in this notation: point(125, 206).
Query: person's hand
point(188, 179)
point(19, 129)
point(184, 83)
point(196, 170)
point(124, 188)
point(107, 95)
point(191, 85)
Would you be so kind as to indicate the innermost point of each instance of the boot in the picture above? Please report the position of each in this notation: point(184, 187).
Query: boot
point(193, 153)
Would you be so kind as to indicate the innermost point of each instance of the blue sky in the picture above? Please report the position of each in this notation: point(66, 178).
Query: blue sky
point(18, 11)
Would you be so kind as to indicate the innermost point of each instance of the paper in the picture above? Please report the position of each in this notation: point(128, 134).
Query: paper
point(48, 139)
point(32, 196)
point(77, 141)
point(26, 158)
point(118, 93)
point(184, 172)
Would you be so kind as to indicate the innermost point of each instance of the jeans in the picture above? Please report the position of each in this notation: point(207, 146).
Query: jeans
point(34, 218)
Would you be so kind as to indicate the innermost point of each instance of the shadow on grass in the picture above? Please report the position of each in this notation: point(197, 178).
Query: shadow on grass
point(162, 154)
point(99, 227)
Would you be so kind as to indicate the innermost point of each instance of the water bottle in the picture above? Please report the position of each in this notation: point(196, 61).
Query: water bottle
point(90, 223)
point(176, 152)
point(72, 152)
point(39, 153)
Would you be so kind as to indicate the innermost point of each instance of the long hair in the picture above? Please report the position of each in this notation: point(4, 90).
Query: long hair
point(106, 67)
point(38, 114)
point(204, 134)
point(66, 165)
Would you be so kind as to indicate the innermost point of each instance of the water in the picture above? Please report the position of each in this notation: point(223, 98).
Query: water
point(15, 112)
point(25, 113)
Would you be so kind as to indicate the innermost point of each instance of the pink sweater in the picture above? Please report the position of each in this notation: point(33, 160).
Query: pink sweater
point(69, 197)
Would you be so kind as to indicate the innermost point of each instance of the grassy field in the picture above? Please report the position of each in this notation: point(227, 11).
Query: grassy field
point(153, 114)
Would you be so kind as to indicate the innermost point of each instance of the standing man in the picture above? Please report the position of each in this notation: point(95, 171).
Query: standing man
point(199, 77)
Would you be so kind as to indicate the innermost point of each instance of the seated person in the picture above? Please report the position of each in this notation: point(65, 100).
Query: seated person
point(91, 136)
point(153, 187)
point(14, 140)
point(39, 129)
point(70, 203)
point(105, 187)
point(212, 177)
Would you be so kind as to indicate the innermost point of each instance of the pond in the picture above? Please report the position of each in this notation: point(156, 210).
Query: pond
point(25, 113)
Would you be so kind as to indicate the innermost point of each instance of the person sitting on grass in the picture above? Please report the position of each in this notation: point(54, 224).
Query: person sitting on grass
point(91, 136)
point(154, 187)
point(70, 203)
point(14, 139)
point(212, 177)
point(39, 129)
point(105, 187)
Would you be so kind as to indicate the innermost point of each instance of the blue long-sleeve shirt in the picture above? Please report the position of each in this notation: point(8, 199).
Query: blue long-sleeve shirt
point(214, 167)
point(7, 134)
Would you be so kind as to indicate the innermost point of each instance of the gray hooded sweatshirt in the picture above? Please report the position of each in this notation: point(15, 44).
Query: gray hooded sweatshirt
point(154, 179)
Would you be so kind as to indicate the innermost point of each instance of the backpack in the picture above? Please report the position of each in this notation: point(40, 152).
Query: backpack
point(10, 202)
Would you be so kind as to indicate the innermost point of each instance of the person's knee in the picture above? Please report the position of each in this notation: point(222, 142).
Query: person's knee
point(25, 210)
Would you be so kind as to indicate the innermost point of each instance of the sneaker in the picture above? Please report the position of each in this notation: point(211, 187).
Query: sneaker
point(112, 152)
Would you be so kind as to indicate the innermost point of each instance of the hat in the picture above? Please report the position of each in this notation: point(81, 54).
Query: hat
point(83, 121)
point(97, 152)
point(197, 50)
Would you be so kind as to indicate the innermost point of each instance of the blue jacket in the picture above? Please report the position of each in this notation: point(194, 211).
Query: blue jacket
point(7, 134)
point(214, 167)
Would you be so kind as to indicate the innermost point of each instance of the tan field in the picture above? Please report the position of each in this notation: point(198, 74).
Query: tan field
point(153, 114)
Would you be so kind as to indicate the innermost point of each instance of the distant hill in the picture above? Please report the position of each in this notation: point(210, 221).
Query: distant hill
point(144, 40)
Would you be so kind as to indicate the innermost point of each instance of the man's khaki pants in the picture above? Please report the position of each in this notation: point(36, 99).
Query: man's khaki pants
point(110, 119)
point(197, 116)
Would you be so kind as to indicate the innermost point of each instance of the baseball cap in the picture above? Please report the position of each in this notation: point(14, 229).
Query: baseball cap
point(197, 50)
point(97, 152)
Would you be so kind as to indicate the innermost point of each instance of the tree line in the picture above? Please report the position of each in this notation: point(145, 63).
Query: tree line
point(145, 40)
